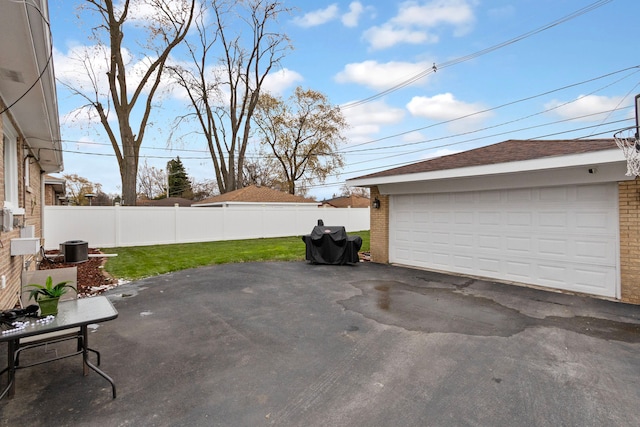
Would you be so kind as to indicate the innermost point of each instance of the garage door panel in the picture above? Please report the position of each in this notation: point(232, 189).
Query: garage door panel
point(593, 221)
point(463, 240)
point(525, 194)
point(553, 275)
point(596, 193)
point(518, 271)
point(441, 217)
point(489, 218)
point(552, 247)
point(591, 279)
point(489, 196)
point(519, 219)
point(553, 194)
point(464, 218)
point(561, 237)
point(463, 198)
point(519, 244)
point(489, 243)
point(553, 220)
point(438, 238)
point(464, 263)
point(593, 251)
point(489, 265)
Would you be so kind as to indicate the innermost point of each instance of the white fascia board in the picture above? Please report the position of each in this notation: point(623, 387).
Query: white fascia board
point(548, 163)
point(255, 204)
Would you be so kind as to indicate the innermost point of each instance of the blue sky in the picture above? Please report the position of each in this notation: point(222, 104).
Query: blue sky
point(503, 70)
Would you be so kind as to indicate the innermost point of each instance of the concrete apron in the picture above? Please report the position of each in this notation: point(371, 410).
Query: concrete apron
point(293, 344)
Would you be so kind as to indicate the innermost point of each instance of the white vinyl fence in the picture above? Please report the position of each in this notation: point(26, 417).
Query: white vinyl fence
point(117, 226)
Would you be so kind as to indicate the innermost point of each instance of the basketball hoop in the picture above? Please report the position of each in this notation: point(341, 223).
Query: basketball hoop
point(627, 140)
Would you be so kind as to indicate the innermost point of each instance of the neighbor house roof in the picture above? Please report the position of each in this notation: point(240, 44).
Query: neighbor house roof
point(254, 194)
point(503, 152)
point(352, 201)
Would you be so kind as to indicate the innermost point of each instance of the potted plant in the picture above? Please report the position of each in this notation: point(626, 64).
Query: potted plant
point(47, 296)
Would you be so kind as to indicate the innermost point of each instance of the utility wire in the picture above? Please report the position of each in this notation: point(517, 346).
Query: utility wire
point(477, 54)
point(351, 147)
point(528, 98)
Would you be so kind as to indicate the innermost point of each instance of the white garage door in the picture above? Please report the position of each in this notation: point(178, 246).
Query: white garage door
point(558, 237)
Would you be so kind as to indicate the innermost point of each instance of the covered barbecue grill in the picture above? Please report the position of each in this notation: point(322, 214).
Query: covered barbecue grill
point(331, 245)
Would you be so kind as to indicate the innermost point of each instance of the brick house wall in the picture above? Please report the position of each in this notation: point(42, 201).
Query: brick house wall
point(29, 198)
point(49, 196)
point(629, 224)
point(379, 233)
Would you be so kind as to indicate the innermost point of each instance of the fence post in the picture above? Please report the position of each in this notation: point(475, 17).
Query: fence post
point(176, 220)
point(116, 223)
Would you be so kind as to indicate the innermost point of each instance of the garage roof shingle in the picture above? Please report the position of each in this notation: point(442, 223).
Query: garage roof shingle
point(508, 151)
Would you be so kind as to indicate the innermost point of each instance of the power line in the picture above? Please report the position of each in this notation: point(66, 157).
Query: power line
point(528, 98)
point(477, 54)
point(350, 150)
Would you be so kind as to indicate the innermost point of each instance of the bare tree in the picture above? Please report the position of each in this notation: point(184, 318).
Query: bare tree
point(152, 182)
point(131, 85)
point(77, 189)
point(223, 98)
point(204, 189)
point(262, 171)
point(348, 191)
point(303, 133)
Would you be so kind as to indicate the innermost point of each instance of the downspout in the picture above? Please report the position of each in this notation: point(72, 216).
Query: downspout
point(42, 198)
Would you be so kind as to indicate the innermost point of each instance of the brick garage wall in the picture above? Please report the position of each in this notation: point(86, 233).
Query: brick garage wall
point(379, 228)
point(629, 211)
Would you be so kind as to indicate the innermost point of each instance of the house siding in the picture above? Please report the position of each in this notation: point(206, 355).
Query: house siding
point(30, 199)
point(629, 211)
point(379, 246)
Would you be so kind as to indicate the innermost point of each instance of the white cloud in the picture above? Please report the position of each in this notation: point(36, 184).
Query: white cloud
point(583, 106)
point(380, 76)
point(387, 35)
point(317, 17)
point(415, 23)
point(277, 83)
point(85, 67)
point(350, 19)
point(367, 119)
point(445, 107)
point(452, 12)
point(143, 12)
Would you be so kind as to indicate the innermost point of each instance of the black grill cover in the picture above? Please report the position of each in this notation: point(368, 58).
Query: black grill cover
point(331, 245)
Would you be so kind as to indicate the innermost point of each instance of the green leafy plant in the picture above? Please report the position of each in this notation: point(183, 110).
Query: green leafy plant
point(50, 291)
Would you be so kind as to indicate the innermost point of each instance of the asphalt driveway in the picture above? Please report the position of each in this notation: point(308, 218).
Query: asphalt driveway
point(295, 344)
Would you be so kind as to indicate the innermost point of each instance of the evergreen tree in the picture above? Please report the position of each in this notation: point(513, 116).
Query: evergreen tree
point(178, 180)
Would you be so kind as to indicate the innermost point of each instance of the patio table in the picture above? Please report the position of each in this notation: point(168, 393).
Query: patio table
point(73, 314)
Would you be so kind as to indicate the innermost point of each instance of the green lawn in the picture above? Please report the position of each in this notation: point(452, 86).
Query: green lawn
point(144, 261)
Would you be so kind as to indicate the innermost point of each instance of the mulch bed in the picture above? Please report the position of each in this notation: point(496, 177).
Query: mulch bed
point(92, 279)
